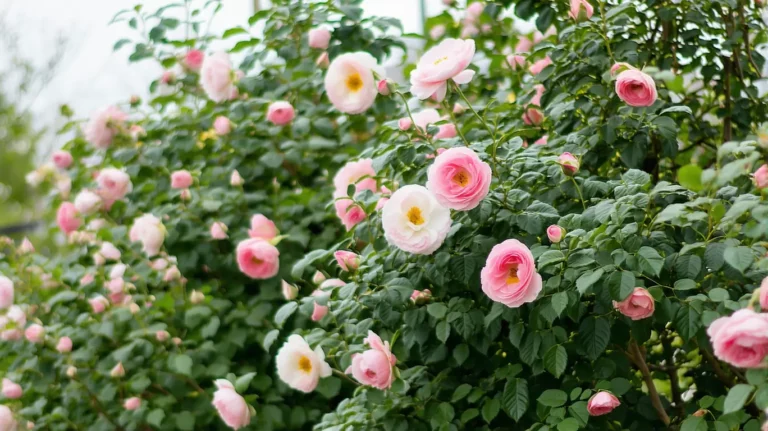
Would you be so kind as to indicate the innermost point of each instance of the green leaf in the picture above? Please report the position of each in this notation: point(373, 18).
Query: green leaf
point(182, 364)
point(568, 424)
point(740, 258)
point(555, 360)
point(270, 338)
point(443, 330)
point(553, 398)
point(491, 408)
point(155, 417)
point(688, 266)
point(689, 176)
point(594, 335)
point(515, 398)
point(687, 321)
point(284, 312)
point(559, 302)
point(297, 271)
point(737, 397)
point(461, 392)
point(461, 353)
point(650, 260)
point(588, 279)
point(550, 257)
point(185, 421)
point(242, 382)
point(437, 310)
point(621, 284)
point(64, 296)
point(694, 423)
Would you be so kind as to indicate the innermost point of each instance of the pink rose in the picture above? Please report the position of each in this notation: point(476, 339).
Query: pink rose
point(539, 65)
point(98, 304)
point(218, 230)
point(542, 141)
point(262, 227)
point(64, 345)
point(636, 88)
point(568, 163)
point(319, 38)
point(117, 371)
point(6, 292)
point(436, 32)
point(414, 221)
point(7, 422)
point(104, 125)
point(447, 60)
point(290, 292)
point(319, 311)
point(168, 77)
point(132, 403)
point(86, 279)
point(232, 408)
point(172, 274)
point(217, 77)
point(87, 202)
point(515, 61)
point(509, 275)
point(459, 179)
point(323, 61)
point(761, 177)
point(318, 277)
point(280, 113)
point(66, 218)
point(162, 335)
point(149, 230)
point(114, 184)
point(193, 60)
point(347, 211)
point(581, 10)
point(222, 126)
point(35, 333)
point(181, 179)
point(347, 260)
point(426, 117)
point(404, 123)
point(637, 306)
point(523, 45)
point(383, 87)
point(555, 233)
point(62, 159)
point(11, 390)
point(374, 366)
point(109, 251)
point(350, 84)
point(602, 403)
point(360, 173)
point(740, 339)
point(258, 259)
point(235, 179)
point(26, 246)
point(764, 294)
point(620, 67)
point(421, 296)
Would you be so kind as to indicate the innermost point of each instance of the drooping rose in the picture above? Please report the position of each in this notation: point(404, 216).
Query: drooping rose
point(181, 179)
point(347, 260)
point(104, 125)
point(262, 227)
point(760, 177)
point(222, 126)
point(374, 366)
point(350, 84)
point(35, 333)
point(636, 88)
point(6, 292)
point(509, 275)
point(581, 10)
point(150, 231)
point(740, 339)
point(217, 77)
point(230, 405)
point(280, 113)
point(193, 60)
point(638, 305)
point(602, 403)
point(62, 159)
point(414, 221)
point(299, 366)
point(218, 230)
point(67, 219)
point(458, 179)
point(319, 38)
point(542, 140)
point(447, 60)
point(258, 259)
point(64, 345)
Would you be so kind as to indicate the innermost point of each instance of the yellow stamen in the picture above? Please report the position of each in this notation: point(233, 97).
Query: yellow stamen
point(414, 216)
point(512, 276)
point(354, 82)
point(439, 60)
point(305, 364)
point(462, 178)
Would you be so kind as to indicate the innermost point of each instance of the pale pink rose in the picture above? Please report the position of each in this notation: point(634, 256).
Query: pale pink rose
point(117, 371)
point(168, 77)
point(542, 141)
point(414, 221)
point(447, 60)
point(515, 61)
point(555, 233)
point(26, 246)
point(602, 403)
point(468, 30)
point(761, 177)
point(509, 275)
point(218, 230)
point(360, 173)
point(6, 292)
point(115, 286)
point(137, 132)
point(132, 403)
point(421, 296)
point(568, 163)
point(638, 305)
point(71, 372)
point(109, 251)
point(446, 131)
point(290, 292)
point(62, 159)
point(581, 10)
point(172, 274)
point(86, 279)
point(319, 311)
point(35, 333)
point(347, 211)
point(98, 259)
point(280, 113)
point(222, 126)
point(300, 367)
point(104, 125)
point(64, 186)
point(150, 231)
point(459, 179)
point(436, 32)
point(235, 179)
point(262, 227)
point(193, 60)
point(232, 408)
point(64, 345)
point(7, 422)
point(620, 67)
point(636, 88)
point(181, 179)
point(380, 203)
point(323, 61)
point(11, 390)
point(347, 260)
point(319, 38)
point(539, 65)
point(533, 115)
point(162, 335)
point(196, 297)
point(350, 84)
point(87, 202)
point(523, 45)
point(66, 218)
point(118, 271)
point(740, 339)
point(764, 294)
point(383, 87)
point(258, 259)
point(97, 224)
point(217, 77)
point(318, 277)
point(114, 184)
point(374, 366)
point(475, 9)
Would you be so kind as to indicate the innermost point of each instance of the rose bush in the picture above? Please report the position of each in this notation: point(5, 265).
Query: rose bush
point(266, 244)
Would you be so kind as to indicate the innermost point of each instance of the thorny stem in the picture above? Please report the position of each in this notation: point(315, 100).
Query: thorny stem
point(639, 358)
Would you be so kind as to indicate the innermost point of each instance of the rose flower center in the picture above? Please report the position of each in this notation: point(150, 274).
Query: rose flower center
point(439, 60)
point(354, 82)
point(414, 216)
point(462, 178)
point(512, 275)
point(305, 364)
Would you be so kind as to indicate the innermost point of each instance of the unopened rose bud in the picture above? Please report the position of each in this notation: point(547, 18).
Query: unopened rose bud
point(117, 371)
point(162, 335)
point(569, 164)
point(383, 87)
point(290, 292)
point(135, 100)
point(318, 277)
point(71, 372)
point(185, 195)
point(196, 297)
point(176, 340)
point(322, 61)
point(134, 308)
point(236, 180)
point(701, 412)
point(172, 274)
